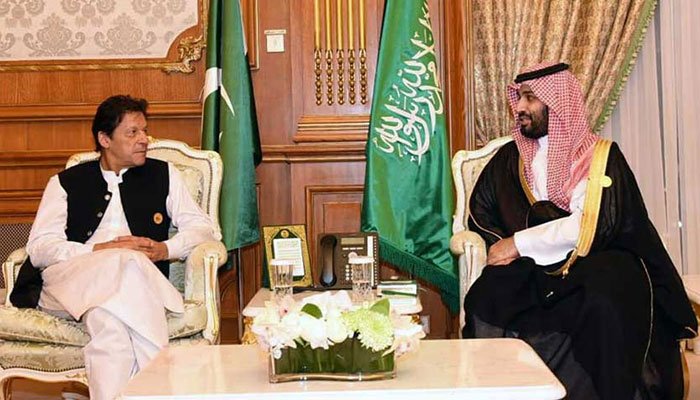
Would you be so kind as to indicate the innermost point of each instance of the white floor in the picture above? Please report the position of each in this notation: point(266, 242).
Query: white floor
point(25, 390)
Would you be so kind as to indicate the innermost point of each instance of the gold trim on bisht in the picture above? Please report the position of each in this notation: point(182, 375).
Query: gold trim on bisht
point(523, 182)
point(597, 180)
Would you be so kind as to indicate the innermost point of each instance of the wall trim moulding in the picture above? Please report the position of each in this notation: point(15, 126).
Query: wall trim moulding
point(326, 128)
point(19, 205)
point(34, 159)
point(310, 194)
point(26, 194)
point(62, 112)
point(314, 152)
point(312, 190)
point(30, 159)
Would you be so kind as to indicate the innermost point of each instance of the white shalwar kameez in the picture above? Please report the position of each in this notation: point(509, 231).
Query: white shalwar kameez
point(120, 294)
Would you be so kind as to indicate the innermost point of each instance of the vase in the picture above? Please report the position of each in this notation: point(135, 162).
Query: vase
point(345, 361)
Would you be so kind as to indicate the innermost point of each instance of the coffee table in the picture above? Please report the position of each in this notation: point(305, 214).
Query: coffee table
point(441, 369)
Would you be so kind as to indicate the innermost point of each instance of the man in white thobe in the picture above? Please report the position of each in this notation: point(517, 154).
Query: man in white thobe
point(101, 232)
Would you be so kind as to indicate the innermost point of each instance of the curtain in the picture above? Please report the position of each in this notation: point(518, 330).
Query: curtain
point(655, 123)
point(598, 38)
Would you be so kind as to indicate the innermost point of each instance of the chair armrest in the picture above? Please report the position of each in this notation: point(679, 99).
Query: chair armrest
point(471, 249)
point(201, 282)
point(207, 255)
point(10, 269)
point(460, 240)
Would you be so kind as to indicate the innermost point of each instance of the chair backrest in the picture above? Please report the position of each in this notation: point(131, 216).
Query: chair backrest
point(202, 171)
point(466, 168)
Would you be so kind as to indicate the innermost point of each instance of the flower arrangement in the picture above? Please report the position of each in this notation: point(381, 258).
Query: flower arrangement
point(326, 334)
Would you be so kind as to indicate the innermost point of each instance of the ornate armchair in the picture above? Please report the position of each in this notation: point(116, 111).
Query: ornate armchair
point(469, 246)
point(39, 346)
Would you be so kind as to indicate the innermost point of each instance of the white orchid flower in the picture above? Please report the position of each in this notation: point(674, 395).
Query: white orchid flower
point(337, 330)
point(313, 330)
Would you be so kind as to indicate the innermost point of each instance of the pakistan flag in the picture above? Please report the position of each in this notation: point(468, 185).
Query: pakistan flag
point(408, 187)
point(229, 124)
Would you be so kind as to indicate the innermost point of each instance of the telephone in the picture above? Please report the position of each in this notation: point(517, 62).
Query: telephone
point(334, 251)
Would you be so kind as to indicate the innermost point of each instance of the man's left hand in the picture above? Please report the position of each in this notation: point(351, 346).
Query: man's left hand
point(502, 252)
point(154, 250)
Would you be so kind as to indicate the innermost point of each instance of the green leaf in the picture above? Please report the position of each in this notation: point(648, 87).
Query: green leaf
point(312, 310)
point(381, 307)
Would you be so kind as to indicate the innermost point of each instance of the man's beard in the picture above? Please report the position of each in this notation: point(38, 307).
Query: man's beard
point(538, 124)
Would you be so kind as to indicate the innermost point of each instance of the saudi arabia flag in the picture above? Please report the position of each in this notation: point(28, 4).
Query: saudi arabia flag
point(229, 122)
point(408, 186)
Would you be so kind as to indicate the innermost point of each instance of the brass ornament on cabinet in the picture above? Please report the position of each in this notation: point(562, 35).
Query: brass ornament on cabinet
point(351, 76)
point(363, 76)
point(340, 23)
point(341, 81)
point(317, 73)
point(329, 77)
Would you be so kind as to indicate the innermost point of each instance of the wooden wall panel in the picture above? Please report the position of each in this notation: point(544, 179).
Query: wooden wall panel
point(313, 156)
point(330, 209)
point(40, 130)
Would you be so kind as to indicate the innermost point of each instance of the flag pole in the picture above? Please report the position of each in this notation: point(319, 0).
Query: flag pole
point(241, 297)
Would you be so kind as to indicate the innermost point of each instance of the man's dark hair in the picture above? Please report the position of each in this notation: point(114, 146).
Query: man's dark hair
point(111, 112)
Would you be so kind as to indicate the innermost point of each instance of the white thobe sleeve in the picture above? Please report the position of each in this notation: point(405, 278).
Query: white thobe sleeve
point(48, 243)
point(550, 242)
point(193, 225)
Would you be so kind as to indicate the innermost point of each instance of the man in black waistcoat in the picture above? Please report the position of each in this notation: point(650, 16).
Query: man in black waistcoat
point(575, 267)
point(99, 248)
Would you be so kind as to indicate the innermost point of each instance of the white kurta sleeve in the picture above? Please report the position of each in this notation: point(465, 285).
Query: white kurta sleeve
point(48, 243)
point(193, 225)
point(552, 241)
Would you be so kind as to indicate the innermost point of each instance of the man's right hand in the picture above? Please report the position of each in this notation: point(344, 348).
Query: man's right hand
point(502, 252)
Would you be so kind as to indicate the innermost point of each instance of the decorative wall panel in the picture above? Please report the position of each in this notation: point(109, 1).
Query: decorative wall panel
point(110, 34)
point(45, 33)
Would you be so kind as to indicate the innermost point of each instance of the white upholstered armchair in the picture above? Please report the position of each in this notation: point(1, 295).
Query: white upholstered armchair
point(39, 346)
point(468, 245)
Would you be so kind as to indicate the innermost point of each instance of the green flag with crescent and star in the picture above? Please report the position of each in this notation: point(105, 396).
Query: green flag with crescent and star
point(408, 185)
point(230, 124)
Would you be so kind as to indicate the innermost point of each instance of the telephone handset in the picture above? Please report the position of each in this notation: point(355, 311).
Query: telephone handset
point(337, 248)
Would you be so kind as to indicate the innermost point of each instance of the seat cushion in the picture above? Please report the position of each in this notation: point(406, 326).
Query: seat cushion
point(48, 357)
point(45, 357)
point(31, 325)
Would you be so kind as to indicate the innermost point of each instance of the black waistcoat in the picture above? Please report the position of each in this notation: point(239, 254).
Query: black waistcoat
point(143, 192)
